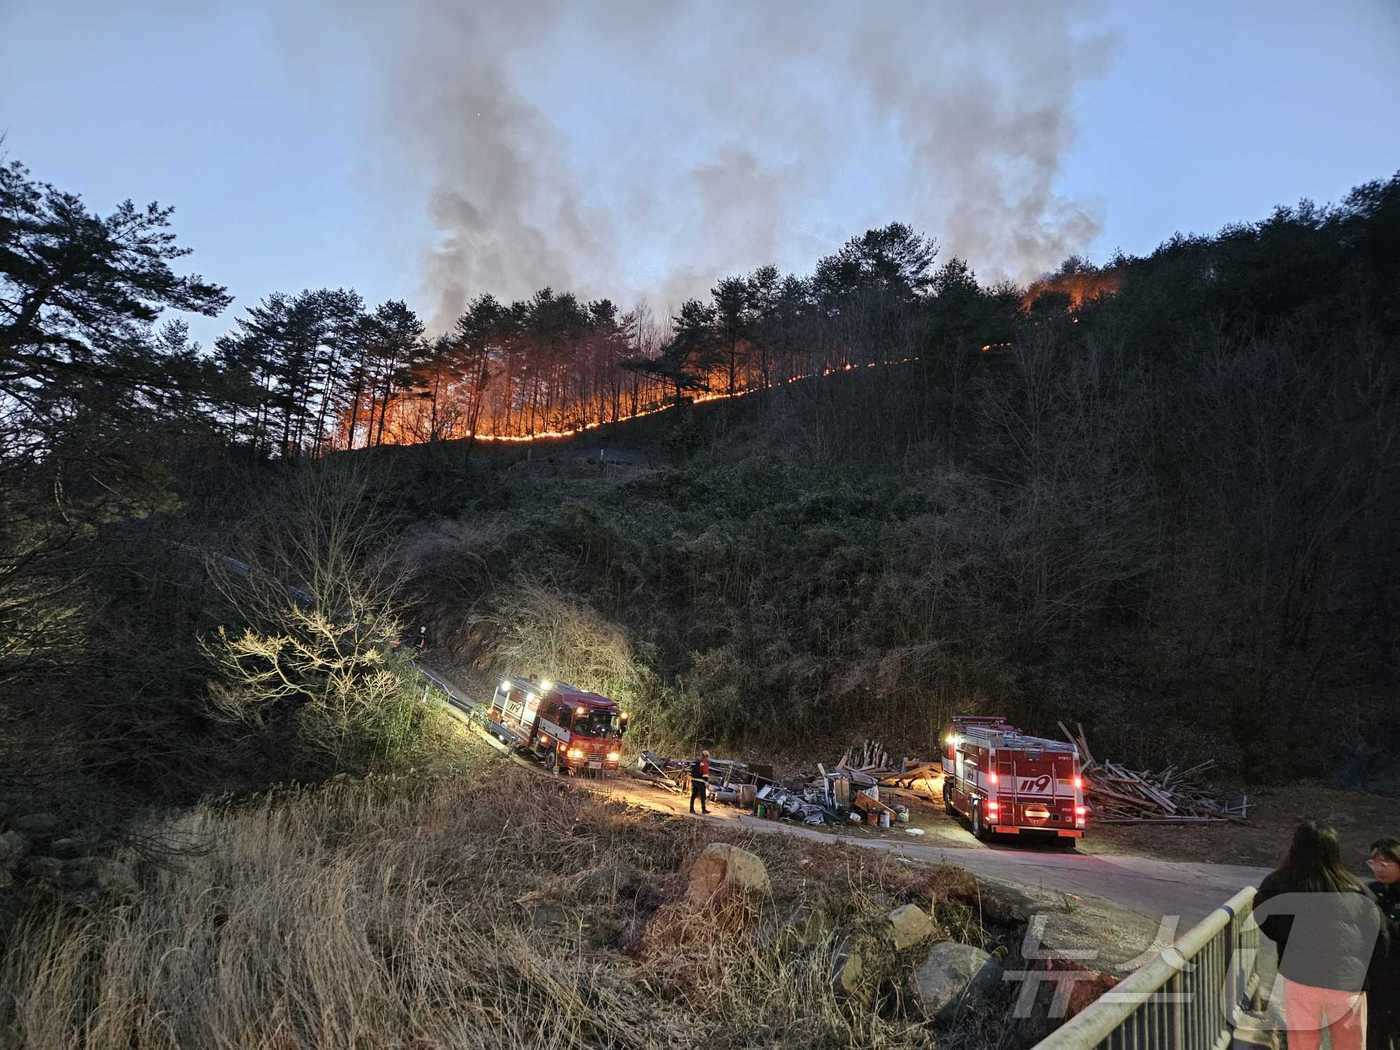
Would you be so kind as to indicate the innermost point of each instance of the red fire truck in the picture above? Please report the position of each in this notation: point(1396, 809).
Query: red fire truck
point(1004, 782)
point(571, 729)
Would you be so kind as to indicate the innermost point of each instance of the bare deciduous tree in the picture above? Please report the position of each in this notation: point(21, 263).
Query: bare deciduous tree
point(319, 632)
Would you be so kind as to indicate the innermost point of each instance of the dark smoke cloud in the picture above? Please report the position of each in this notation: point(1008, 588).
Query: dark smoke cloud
point(724, 127)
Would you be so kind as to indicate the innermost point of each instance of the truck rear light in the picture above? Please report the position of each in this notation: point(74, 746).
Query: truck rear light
point(992, 806)
point(1079, 782)
point(992, 777)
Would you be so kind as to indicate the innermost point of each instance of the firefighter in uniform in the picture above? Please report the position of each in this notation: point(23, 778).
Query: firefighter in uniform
point(1383, 992)
point(700, 781)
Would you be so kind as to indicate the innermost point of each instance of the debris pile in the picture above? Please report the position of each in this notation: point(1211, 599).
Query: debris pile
point(730, 780)
point(870, 765)
point(848, 792)
point(800, 804)
point(1127, 796)
point(669, 773)
point(853, 784)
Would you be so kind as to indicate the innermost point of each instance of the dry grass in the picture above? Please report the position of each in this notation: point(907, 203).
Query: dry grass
point(503, 911)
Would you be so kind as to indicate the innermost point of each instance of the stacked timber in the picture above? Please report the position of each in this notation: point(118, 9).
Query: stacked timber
point(870, 764)
point(912, 770)
point(1118, 795)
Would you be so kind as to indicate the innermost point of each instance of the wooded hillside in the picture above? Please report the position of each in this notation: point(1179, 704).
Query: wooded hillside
point(1157, 495)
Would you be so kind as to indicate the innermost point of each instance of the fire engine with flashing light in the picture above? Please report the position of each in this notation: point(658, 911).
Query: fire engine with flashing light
point(1004, 782)
point(570, 729)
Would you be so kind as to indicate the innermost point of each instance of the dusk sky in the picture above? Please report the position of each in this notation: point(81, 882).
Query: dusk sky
point(430, 151)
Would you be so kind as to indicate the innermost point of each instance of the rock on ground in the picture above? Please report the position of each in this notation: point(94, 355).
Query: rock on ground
point(951, 975)
point(848, 973)
point(910, 925)
point(722, 867)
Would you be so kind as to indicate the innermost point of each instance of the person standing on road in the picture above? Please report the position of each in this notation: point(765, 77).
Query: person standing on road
point(700, 781)
point(1327, 926)
point(1383, 989)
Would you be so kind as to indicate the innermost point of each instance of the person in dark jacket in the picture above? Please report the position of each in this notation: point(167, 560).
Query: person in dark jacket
point(1383, 989)
point(700, 781)
point(1327, 926)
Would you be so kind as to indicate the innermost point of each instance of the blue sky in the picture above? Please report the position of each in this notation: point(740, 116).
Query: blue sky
point(428, 151)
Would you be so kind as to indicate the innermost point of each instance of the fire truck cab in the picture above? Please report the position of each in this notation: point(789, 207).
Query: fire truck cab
point(570, 729)
point(1004, 782)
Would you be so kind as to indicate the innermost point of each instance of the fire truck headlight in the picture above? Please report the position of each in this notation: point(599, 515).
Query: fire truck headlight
point(613, 756)
point(546, 685)
point(954, 739)
point(505, 685)
point(575, 753)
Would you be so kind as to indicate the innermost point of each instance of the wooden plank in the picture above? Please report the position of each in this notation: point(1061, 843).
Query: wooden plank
point(1083, 743)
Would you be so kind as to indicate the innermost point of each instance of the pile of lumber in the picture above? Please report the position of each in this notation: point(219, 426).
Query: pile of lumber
point(1117, 795)
point(870, 764)
point(912, 770)
point(870, 758)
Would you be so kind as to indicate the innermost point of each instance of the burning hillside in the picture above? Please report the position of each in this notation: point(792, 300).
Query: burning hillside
point(1082, 285)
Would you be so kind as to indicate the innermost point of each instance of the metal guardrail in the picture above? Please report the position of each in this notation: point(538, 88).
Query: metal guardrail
point(455, 697)
point(1190, 997)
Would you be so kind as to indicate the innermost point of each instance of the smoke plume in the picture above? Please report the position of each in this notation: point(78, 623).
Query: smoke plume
point(646, 149)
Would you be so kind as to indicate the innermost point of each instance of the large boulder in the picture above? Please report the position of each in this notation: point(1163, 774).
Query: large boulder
point(952, 976)
point(722, 868)
point(910, 925)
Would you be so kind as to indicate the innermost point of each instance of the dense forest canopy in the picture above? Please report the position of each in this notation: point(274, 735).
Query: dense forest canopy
point(1160, 492)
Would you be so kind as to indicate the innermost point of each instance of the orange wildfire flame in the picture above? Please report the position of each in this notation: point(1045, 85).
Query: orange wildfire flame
point(1080, 287)
point(408, 418)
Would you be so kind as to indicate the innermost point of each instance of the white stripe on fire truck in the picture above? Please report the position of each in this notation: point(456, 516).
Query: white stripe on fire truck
point(557, 731)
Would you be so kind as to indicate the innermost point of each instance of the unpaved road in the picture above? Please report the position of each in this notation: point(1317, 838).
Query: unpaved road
point(1152, 888)
point(1176, 893)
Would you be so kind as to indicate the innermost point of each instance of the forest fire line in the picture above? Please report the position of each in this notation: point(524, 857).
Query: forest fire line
point(501, 383)
point(407, 418)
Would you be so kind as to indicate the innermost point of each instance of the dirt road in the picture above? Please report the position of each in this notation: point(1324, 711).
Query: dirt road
point(1177, 893)
point(1151, 888)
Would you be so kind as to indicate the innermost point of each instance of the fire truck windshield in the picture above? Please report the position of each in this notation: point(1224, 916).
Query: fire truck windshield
point(594, 722)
